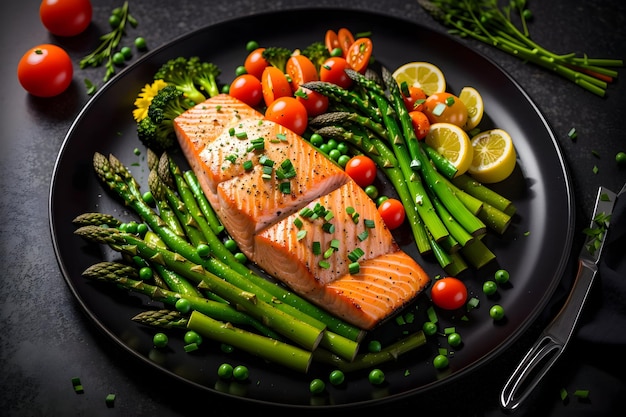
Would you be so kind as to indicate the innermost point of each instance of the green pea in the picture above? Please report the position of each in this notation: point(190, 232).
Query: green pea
point(620, 158)
point(192, 337)
point(148, 198)
point(454, 339)
point(490, 287)
point(118, 58)
point(230, 244)
point(343, 148)
point(203, 250)
point(336, 52)
point(380, 200)
point(251, 46)
point(334, 154)
point(343, 160)
point(241, 372)
point(441, 361)
point(376, 376)
point(225, 371)
point(429, 328)
point(114, 21)
point(374, 346)
point(496, 312)
point(226, 348)
point(241, 258)
point(316, 139)
point(372, 191)
point(142, 229)
point(140, 43)
point(240, 70)
point(183, 305)
point(501, 276)
point(145, 273)
point(332, 144)
point(336, 377)
point(317, 386)
point(160, 340)
point(126, 52)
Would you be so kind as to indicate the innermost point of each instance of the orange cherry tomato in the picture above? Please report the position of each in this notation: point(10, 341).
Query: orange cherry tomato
point(393, 213)
point(255, 63)
point(345, 39)
point(331, 40)
point(449, 293)
point(359, 54)
point(65, 17)
point(333, 70)
point(415, 100)
point(362, 169)
point(288, 112)
point(274, 84)
point(45, 70)
point(445, 107)
point(314, 102)
point(247, 88)
point(420, 122)
point(300, 70)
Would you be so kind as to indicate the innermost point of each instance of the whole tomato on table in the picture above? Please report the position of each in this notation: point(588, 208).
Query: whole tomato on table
point(45, 70)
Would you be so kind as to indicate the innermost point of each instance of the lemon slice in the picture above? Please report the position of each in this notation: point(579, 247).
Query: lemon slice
point(452, 142)
point(421, 74)
point(493, 156)
point(475, 108)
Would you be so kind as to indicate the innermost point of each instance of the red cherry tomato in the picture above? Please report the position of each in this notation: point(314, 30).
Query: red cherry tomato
point(333, 70)
point(255, 63)
point(359, 54)
point(445, 107)
point(288, 112)
point(300, 70)
point(415, 99)
point(393, 213)
point(45, 70)
point(331, 40)
point(274, 84)
point(247, 88)
point(345, 39)
point(420, 122)
point(314, 102)
point(449, 293)
point(65, 17)
point(361, 169)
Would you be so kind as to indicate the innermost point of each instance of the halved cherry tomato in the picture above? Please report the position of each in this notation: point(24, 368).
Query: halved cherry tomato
point(420, 122)
point(345, 39)
point(255, 63)
point(314, 102)
point(333, 70)
point(445, 107)
point(393, 213)
point(359, 54)
point(361, 169)
point(300, 70)
point(449, 293)
point(415, 99)
point(288, 112)
point(274, 84)
point(331, 40)
point(45, 70)
point(65, 17)
point(247, 88)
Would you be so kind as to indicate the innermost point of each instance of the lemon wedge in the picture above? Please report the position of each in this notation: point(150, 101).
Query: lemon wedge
point(421, 74)
point(452, 142)
point(475, 107)
point(494, 156)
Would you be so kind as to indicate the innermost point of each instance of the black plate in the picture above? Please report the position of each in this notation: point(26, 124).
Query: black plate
point(535, 249)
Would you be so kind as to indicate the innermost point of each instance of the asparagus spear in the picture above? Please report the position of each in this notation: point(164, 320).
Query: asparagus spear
point(298, 331)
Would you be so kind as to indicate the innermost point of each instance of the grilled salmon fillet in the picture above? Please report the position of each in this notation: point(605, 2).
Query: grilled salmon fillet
point(296, 214)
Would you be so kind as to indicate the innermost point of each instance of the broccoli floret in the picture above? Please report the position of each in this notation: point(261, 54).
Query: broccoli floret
point(317, 53)
point(277, 56)
point(156, 130)
point(176, 72)
point(204, 74)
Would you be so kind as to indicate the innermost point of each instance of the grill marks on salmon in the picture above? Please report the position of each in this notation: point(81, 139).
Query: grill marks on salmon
point(269, 226)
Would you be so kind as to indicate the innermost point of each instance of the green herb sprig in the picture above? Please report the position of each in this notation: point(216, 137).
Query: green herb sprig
point(120, 17)
point(492, 24)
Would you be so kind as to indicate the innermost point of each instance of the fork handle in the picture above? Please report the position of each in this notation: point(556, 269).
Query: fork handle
point(550, 345)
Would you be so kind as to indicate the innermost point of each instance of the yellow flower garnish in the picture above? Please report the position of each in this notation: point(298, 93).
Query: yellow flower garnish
point(145, 98)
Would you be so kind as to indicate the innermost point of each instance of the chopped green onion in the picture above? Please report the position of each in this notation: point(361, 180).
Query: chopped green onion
point(298, 222)
point(439, 109)
point(191, 347)
point(264, 160)
point(285, 187)
point(231, 131)
point(329, 216)
point(363, 235)
point(110, 400)
point(324, 264)
point(354, 268)
point(355, 254)
point(581, 393)
point(241, 135)
point(317, 248)
point(329, 252)
point(301, 234)
point(432, 315)
point(572, 133)
point(328, 227)
point(335, 244)
point(247, 165)
point(370, 224)
point(450, 101)
point(281, 136)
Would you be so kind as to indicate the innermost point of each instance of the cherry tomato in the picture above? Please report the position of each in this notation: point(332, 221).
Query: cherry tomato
point(314, 102)
point(300, 70)
point(420, 122)
point(288, 112)
point(393, 213)
point(65, 17)
point(445, 107)
point(359, 54)
point(362, 170)
point(45, 70)
point(333, 70)
point(255, 63)
point(275, 84)
point(345, 39)
point(449, 293)
point(331, 40)
point(247, 88)
point(415, 100)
